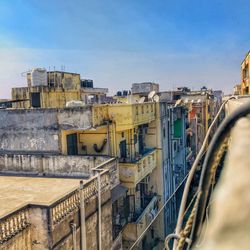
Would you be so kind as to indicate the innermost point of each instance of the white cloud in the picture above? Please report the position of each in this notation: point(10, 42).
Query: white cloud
point(117, 70)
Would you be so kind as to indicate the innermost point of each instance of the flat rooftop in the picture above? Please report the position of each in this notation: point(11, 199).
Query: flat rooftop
point(17, 192)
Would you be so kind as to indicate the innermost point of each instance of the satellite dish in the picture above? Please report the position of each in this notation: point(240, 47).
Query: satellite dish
point(142, 99)
point(151, 94)
point(156, 98)
point(178, 102)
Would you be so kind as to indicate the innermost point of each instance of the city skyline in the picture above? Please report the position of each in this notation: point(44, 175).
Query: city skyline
point(118, 43)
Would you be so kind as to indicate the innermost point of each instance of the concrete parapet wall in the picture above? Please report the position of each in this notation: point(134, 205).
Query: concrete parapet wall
point(39, 129)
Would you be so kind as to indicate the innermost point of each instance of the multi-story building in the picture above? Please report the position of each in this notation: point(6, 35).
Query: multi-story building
point(202, 106)
point(174, 157)
point(43, 204)
point(245, 69)
point(173, 154)
point(72, 134)
point(147, 137)
point(128, 132)
point(237, 89)
point(53, 89)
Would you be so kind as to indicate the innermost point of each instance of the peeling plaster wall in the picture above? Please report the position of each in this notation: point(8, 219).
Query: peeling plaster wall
point(39, 229)
point(29, 130)
point(39, 129)
point(21, 241)
point(91, 231)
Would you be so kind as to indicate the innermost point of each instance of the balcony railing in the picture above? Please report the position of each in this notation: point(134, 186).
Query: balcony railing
point(111, 165)
point(61, 209)
point(13, 224)
point(132, 173)
point(134, 229)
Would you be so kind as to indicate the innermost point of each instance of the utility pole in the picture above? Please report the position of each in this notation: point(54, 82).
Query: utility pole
point(82, 213)
point(99, 211)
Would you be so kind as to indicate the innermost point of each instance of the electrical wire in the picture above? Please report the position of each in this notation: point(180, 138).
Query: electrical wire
point(193, 170)
point(219, 138)
point(158, 213)
point(170, 236)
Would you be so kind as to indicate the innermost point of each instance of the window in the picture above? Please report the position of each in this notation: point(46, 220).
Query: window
point(123, 149)
point(246, 72)
point(35, 100)
point(72, 144)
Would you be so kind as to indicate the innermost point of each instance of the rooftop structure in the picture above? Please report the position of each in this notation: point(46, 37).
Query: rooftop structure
point(54, 89)
point(144, 87)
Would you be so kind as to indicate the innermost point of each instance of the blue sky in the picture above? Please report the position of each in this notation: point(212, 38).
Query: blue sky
point(192, 43)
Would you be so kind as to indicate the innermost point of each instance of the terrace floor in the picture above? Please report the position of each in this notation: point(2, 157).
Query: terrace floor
point(17, 192)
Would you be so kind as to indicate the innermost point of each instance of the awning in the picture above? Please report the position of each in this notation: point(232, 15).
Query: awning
point(118, 192)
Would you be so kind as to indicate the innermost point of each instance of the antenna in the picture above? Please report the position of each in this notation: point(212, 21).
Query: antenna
point(49, 75)
point(54, 76)
point(23, 74)
point(141, 100)
point(151, 95)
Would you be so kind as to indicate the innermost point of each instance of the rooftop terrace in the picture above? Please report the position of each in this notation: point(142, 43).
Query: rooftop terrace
point(17, 192)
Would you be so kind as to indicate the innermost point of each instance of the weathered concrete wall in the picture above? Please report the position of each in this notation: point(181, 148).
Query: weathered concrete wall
point(58, 165)
point(34, 237)
point(112, 166)
point(63, 229)
point(39, 129)
point(67, 244)
point(19, 241)
point(29, 130)
point(144, 87)
point(39, 229)
point(75, 118)
point(62, 233)
point(43, 234)
point(92, 229)
point(47, 164)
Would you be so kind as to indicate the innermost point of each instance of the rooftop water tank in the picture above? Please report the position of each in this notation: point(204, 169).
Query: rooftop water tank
point(74, 103)
point(39, 77)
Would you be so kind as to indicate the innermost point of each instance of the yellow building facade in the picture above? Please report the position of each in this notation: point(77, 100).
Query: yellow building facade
point(131, 133)
point(245, 81)
point(59, 89)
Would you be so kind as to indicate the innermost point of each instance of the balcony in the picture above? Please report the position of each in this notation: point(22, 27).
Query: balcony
point(135, 228)
point(127, 116)
point(131, 173)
